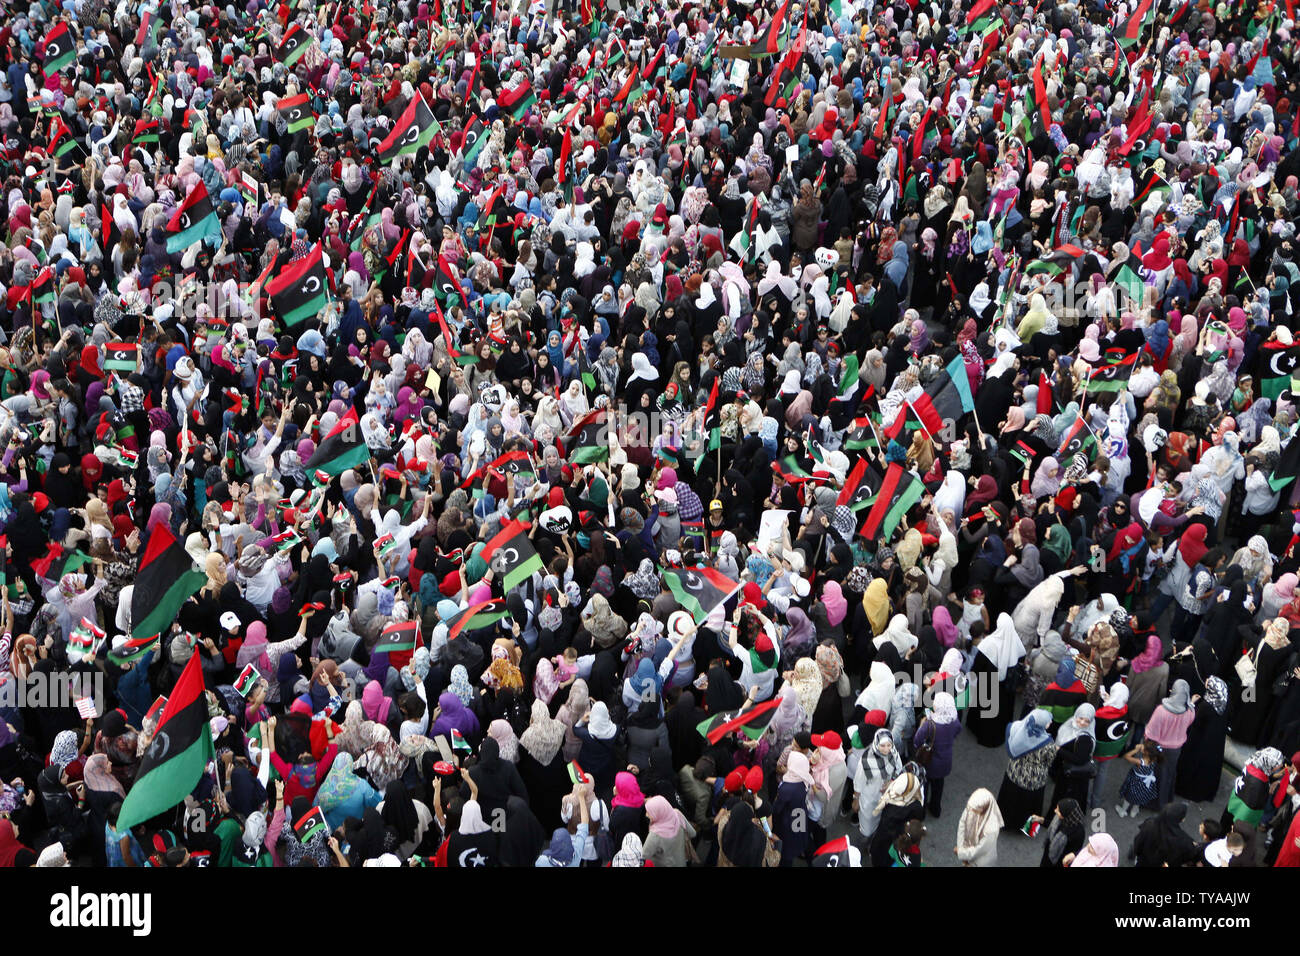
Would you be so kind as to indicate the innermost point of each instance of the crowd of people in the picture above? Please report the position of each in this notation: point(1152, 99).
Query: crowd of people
point(648, 433)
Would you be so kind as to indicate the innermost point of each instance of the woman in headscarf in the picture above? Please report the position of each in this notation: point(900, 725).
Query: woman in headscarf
point(1065, 834)
point(1101, 850)
point(978, 829)
point(880, 763)
point(1274, 657)
point(1168, 728)
point(1032, 750)
point(994, 675)
point(670, 834)
point(542, 765)
point(1201, 763)
point(900, 804)
point(1161, 840)
point(938, 731)
point(1074, 768)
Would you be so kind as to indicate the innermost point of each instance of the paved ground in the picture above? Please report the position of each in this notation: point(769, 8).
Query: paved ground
point(975, 766)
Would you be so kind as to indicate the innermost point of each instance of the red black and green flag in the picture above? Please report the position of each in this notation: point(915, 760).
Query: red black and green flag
point(180, 749)
point(1279, 363)
point(56, 562)
point(833, 854)
point(297, 41)
point(516, 101)
point(473, 141)
point(247, 680)
point(857, 490)
point(166, 580)
point(713, 416)
point(898, 493)
point(402, 636)
point(43, 287)
point(60, 49)
point(475, 617)
point(310, 824)
point(751, 721)
point(193, 221)
point(790, 470)
point(446, 284)
point(631, 91)
point(1288, 466)
point(700, 590)
point(587, 441)
point(950, 393)
point(414, 129)
point(133, 650)
point(301, 289)
point(146, 131)
point(1113, 729)
point(62, 141)
point(767, 42)
point(1112, 374)
point(297, 112)
point(511, 554)
point(343, 448)
point(919, 408)
point(1078, 438)
point(1130, 29)
point(148, 28)
point(862, 436)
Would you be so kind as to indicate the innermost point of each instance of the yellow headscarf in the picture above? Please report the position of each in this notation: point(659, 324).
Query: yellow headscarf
point(876, 603)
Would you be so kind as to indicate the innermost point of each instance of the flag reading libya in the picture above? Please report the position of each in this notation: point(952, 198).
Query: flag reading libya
point(343, 448)
point(179, 751)
point(165, 581)
point(511, 554)
point(700, 590)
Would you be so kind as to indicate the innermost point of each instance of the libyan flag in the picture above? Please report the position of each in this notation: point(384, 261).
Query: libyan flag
point(343, 448)
point(165, 581)
point(120, 356)
point(194, 221)
point(1113, 730)
point(587, 442)
point(1279, 363)
point(476, 617)
point(60, 49)
point(516, 101)
point(898, 493)
point(511, 554)
point(700, 590)
point(857, 491)
point(297, 112)
point(950, 392)
point(1112, 375)
point(179, 751)
point(751, 722)
point(833, 854)
point(301, 289)
point(296, 42)
point(415, 128)
point(402, 636)
point(1079, 438)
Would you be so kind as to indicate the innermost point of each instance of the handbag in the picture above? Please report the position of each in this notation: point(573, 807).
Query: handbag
point(925, 753)
point(1245, 667)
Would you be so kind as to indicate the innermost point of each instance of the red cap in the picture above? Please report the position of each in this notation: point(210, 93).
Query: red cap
point(754, 779)
point(875, 718)
point(735, 780)
point(40, 501)
point(753, 594)
point(830, 740)
point(763, 644)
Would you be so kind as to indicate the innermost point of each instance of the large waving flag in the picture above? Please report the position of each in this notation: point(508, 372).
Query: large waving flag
point(343, 448)
point(415, 128)
point(297, 41)
point(898, 492)
point(700, 590)
point(301, 289)
point(166, 580)
point(194, 220)
point(511, 554)
point(178, 753)
point(297, 112)
point(60, 48)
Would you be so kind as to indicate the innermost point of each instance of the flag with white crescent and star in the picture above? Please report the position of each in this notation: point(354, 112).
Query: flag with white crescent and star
point(301, 289)
point(415, 128)
point(193, 221)
point(511, 554)
point(700, 590)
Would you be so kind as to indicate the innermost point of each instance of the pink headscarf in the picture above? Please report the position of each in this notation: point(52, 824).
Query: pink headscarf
point(834, 602)
point(1150, 657)
point(943, 627)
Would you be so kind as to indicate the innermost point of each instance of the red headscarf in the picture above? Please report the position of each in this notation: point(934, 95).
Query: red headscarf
point(1192, 544)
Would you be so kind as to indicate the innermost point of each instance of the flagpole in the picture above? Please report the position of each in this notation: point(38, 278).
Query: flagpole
point(918, 420)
